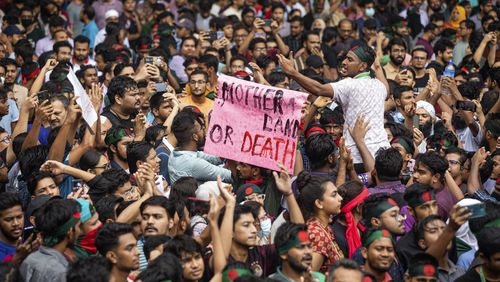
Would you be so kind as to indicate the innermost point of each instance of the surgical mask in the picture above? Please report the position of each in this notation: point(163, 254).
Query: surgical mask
point(369, 12)
point(265, 227)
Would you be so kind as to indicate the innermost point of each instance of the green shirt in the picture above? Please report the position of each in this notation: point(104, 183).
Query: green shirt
point(279, 276)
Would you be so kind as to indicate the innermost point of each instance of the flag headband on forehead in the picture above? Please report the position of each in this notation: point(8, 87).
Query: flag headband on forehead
point(382, 233)
point(381, 208)
point(52, 239)
point(352, 234)
point(117, 136)
point(233, 273)
point(428, 270)
point(399, 24)
point(401, 142)
point(421, 199)
point(361, 53)
point(294, 242)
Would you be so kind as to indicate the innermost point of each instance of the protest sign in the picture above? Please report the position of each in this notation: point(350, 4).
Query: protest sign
point(255, 123)
point(83, 100)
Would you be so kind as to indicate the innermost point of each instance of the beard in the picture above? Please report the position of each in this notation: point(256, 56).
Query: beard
point(426, 129)
point(379, 268)
point(297, 265)
point(200, 144)
point(397, 60)
point(80, 58)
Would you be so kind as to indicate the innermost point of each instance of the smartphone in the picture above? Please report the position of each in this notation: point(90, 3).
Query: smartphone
point(478, 210)
point(415, 121)
point(161, 87)
point(260, 34)
point(466, 106)
point(268, 22)
point(42, 96)
point(76, 184)
point(220, 35)
point(154, 60)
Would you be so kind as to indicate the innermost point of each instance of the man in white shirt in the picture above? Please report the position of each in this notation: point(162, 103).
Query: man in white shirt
point(358, 93)
point(111, 16)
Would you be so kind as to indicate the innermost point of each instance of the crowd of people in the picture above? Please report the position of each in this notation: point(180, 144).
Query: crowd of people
point(105, 106)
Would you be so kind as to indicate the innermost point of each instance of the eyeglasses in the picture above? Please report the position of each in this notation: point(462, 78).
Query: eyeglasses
point(260, 49)
point(453, 162)
point(131, 192)
point(105, 167)
point(6, 139)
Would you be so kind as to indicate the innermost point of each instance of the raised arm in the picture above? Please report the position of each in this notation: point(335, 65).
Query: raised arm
point(474, 181)
point(42, 113)
point(358, 133)
point(56, 151)
point(40, 79)
point(308, 84)
point(227, 222)
point(58, 168)
point(29, 104)
point(284, 185)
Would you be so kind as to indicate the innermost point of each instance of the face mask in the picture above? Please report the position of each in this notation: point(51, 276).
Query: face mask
point(369, 12)
point(26, 22)
point(265, 227)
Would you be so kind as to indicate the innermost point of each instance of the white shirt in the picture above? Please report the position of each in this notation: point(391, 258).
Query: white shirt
point(101, 35)
point(362, 95)
point(469, 141)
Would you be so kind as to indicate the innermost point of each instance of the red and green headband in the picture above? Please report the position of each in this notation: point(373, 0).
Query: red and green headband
point(382, 233)
point(52, 239)
point(421, 199)
point(381, 208)
point(428, 270)
point(402, 142)
point(293, 242)
point(233, 273)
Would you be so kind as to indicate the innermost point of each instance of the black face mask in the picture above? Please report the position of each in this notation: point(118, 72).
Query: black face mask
point(458, 122)
point(26, 22)
point(426, 129)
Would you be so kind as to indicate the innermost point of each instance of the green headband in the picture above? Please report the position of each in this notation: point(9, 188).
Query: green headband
point(117, 136)
point(422, 199)
point(492, 224)
point(381, 208)
point(382, 233)
point(231, 274)
point(361, 53)
point(51, 240)
point(400, 24)
point(293, 242)
point(423, 270)
point(403, 143)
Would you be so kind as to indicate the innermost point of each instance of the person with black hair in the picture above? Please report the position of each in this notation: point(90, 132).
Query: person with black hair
point(294, 40)
point(42, 183)
point(117, 140)
point(403, 98)
point(388, 168)
point(62, 49)
point(422, 203)
point(94, 268)
point(59, 224)
point(154, 246)
point(164, 268)
point(189, 253)
point(198, 87)
point(81, 53)
point(10, 75)
point(155, 221)
point(187, 159)
point(106, 206)
point(350, 93)
point(422, 267)
point(459, 166)
point(118, 184)
point(432, 169)
point(11, 225)
point(443, 49)
point(378, 253)
point(124, 99)
point(491, 138)
point(294, 248)
point(397, 52)
point(116, 242)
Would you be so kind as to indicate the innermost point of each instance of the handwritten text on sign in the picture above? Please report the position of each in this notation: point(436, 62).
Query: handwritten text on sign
point(255, 123)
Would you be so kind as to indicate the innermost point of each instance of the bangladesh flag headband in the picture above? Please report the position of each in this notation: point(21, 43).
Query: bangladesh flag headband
point(421, 199)
point(428, 270)
point(403, 143)
point(52, 239)
point(231, 274)
point(382, 233)
point(381, 208)
point(114, 138)
point(293, 242)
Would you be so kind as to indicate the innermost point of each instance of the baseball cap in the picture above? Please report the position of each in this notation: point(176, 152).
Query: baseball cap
point(37, 203)
point(186, 23)
point(314, 61)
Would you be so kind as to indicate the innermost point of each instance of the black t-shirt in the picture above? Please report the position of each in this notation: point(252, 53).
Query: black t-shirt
point(406, 248)
point(339, 231)
point(115, 120)
point(437, 66)
point(420, 83)
point(262, 260)
point(471, 276)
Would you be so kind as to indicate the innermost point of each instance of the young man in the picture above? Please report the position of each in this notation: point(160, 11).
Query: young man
point(42, 183)
point(59, 224)
point(90, 225)
point(397, 52)
point(403, 98)
point(432, 169)
point(155, 221)
point(379, 254)
point(81, 53)
point(143, 152)
point(422, 267)
point(198, 84)
point(117, 140)
point(295, 251)
point(459, 166)
point(443, 49)
point(465, 30)
point(388, 167)
point(11, 225)
point(189, 253)
point(10, 75)
point(188, 159)
point(63, 50)
point(418, 61)
point(351, 94)
point(422, 203)
point(345, 270)
point(116, 242)
point(124, 99)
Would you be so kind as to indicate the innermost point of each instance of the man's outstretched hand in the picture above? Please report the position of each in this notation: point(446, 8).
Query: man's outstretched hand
point(287, 64)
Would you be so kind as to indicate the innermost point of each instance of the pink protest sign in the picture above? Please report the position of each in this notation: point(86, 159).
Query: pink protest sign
point(254, 123)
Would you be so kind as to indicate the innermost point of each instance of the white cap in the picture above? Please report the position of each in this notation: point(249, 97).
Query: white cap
point(207, 188)
point(111, 13)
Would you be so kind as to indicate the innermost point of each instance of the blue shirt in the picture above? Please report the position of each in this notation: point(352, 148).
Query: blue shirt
point(90, 30)
point(6, 252)
point(11, 117)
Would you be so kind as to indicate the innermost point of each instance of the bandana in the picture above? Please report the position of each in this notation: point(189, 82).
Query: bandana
point(382, 233)
point(30, 75)
point(399, 24)
point(428, 270)
point(381, 208)
point(85, 245)
point(256, 182)
point(402, 142)
point(231, 274)
point(314, 129)
point(361, 53)
point(293, 242)
point(421, 199)
point(352, 234)
point(51, 240)
point(117, 136)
